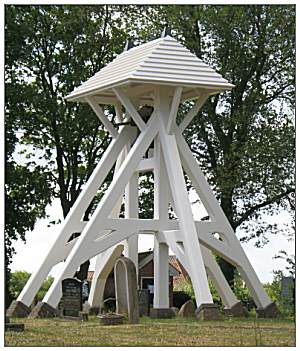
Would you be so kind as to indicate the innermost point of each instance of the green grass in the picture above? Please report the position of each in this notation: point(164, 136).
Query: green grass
point(159, 332)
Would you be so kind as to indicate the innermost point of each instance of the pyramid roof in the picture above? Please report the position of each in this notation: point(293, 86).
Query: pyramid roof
point(163, 61)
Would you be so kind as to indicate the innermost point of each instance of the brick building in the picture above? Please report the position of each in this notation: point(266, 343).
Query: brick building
point(146, 275)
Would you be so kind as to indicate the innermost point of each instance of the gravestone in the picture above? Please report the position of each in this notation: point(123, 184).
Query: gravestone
point(287, 293)
point(208, 312)
point(126, 289)
point(187, 309)
point(144, 302)
point(15, 327)
point(287, 287)
point(71, 297)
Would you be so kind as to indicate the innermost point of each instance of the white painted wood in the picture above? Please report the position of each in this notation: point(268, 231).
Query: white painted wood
point(186, 221)
point(210, 242)
point(107, 260)
point(118, 111)
point(192, 112)
point(161, 61)
point(132, 211)
point(98, 111)
point(213, 208)
point(163, 73)
point(146, 164)
point(174, 108)
point(73, 218)
point(161, 275)
point(160, 251)
point(83, 248)
point(212, 269)
point(130, 108)
point(219, 281)
point(199, 182)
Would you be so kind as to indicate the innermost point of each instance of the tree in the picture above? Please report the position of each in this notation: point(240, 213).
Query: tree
point(19, 279)
point(27, 189)
point(244, 139)
point(49, 51)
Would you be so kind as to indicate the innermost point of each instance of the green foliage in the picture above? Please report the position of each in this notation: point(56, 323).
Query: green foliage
point(286, 305)
point(244, 140)
point(44, 288)
point(49, 51)
point(186, 286)
point(290, 262)
point(241, 292)
point(17, 282)
point(20, 278)
point(146, 196)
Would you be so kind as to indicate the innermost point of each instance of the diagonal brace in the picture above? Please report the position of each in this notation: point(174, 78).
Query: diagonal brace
point(130, 108)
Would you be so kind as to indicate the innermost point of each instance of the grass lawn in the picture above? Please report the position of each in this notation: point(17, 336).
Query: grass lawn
point(158, 332)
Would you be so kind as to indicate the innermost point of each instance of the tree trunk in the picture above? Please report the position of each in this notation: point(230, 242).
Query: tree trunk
point(227, 268)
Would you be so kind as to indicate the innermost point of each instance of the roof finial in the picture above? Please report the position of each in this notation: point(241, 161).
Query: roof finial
point(128, 45)
point(166, 31)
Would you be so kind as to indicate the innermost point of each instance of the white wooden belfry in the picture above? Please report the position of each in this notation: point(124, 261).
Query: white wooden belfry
point(162, 74)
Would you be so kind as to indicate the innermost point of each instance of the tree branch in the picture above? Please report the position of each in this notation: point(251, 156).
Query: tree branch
point(253, 209)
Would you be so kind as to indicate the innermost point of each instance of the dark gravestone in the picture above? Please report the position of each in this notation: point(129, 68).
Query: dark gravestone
point(287, 286)
point(71, 297)
point(14, 327)
point(144, 302)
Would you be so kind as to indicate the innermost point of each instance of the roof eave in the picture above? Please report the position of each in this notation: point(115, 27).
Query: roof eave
point(80, 96)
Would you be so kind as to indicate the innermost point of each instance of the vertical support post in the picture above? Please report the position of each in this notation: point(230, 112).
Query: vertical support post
point(161, 275)
point(183, 208)
point(132, 211)
point(161, 250)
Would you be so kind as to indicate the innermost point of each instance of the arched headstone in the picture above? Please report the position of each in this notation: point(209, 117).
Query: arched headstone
point(126, 289)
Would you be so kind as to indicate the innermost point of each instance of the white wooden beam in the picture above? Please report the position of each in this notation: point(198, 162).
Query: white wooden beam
point(186, 221)
point(85, 246)
point(174, 108)
point(161, 250)
point(73, 219)
point(192, 112)
point(161, 275)
point(147, 164)
point(107, 260)
point(119, 113)
point(218, 279)
point(130, 108)
point(212, 268)
point(98, 111)
point(132, 211)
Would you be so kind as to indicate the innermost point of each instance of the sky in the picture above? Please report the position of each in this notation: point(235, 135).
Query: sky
point(29, 256)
